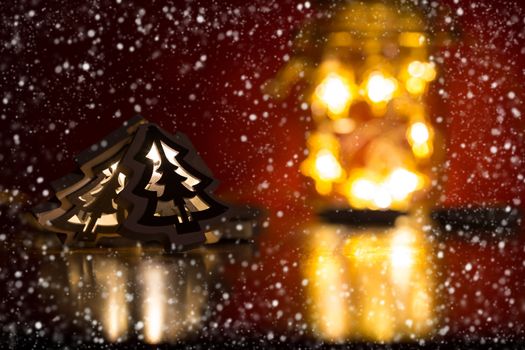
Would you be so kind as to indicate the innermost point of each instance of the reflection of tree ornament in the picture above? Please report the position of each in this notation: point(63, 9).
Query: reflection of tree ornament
point(374, 143)
point(139, 183)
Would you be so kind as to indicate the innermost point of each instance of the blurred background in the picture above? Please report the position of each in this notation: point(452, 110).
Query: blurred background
point(296, 107)
point(72, 72)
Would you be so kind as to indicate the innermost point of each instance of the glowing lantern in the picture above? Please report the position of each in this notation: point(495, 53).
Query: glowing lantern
point(368, 84)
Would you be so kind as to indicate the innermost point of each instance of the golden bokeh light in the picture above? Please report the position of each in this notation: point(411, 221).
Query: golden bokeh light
point(419, 75)
point(322, 164)
point(327, 166)
point(419, 135)
point(333, 96)
point(366, 189)
point(380, 88)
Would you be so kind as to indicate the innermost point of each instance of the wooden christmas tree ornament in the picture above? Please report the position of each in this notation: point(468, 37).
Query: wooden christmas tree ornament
point(139, 183)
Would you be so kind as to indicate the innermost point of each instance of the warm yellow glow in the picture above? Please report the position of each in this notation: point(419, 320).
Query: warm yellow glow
point(330, 297)
point(430, 71)
point(374, 284)
point(322, 165)
point(423, 70)
point(343, 125)
point(422, 150)
point(380, 88)
point(368, 190)
point(402, 253)
point(154, 303)
point(416, 69)
point(419, 132)
point(419, 137)
point(401, 183)
point(327, 166)
point(381, 198)
point(363, 188)
point(335, 93)
point(116, 318)
point(327, 286)
point(367, 174)
point(419, 74)
point(412, 39)
point(415, 85)
point(323, 187)
point(393, 300)
point(111, 278)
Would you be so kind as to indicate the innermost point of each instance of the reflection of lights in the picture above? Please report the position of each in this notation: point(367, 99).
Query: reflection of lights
point(327, 166)
point(115, 311)
point(330, 299)
point(387, 272)
point(170, 307)
point(327, 286)
point(401, 256)
point(116, 320)
point(334, 92)
point(154, 304)
point(380, 88)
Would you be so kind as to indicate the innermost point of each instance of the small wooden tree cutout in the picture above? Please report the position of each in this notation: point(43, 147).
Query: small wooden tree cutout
point(93, 211)
point(167, 194)
point(66, 213)
point(144, 184)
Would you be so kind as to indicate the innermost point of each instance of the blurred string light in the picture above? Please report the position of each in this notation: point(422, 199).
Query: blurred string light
point(376, 54)
point(374, 285)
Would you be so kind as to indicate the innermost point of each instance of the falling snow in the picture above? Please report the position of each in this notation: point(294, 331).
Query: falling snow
point(73, 71)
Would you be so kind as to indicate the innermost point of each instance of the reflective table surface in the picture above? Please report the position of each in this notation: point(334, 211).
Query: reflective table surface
point(306, 283)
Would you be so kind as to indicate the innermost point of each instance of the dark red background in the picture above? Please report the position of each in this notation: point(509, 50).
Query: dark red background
point(241, 43)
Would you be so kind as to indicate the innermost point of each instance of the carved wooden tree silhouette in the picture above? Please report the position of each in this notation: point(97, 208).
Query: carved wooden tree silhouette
point(167, 192)
point(144, 184)
point(69, 212)
point(170, 186)
point(94, 211)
